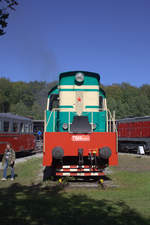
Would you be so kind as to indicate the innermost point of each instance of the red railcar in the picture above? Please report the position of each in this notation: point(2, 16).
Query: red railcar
point(134, 132)
point(16, 130)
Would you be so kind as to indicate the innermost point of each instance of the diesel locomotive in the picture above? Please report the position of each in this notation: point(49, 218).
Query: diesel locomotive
point(80, 138)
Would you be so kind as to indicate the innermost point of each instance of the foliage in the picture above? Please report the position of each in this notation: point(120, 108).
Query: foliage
point(26, 99)
point(29, 99)
point(5, 7)
point(127, 100)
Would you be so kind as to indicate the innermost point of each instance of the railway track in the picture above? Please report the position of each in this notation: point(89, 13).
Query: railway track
point(98, 182)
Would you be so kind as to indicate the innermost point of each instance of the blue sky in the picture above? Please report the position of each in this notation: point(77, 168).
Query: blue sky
point(110, 37)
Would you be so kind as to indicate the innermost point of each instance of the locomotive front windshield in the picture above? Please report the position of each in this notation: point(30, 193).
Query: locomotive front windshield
point(54, 101)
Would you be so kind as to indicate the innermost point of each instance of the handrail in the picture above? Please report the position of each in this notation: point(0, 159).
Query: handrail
point(44, 130)
point(46, 124)
point(69, 122)
point(111, 122)
point(92, 120)
point(48, 120)
point(54, 122)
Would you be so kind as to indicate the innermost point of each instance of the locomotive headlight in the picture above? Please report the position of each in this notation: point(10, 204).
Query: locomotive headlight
point(65, 126)
point(79, 77)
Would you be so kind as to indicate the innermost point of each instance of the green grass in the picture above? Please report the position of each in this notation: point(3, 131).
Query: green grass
point(28, 201)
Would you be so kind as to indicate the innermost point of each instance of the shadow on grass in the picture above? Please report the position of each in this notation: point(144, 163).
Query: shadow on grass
point(24, 205)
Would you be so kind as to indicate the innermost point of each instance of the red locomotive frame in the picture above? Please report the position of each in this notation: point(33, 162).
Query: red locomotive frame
point(90, 143)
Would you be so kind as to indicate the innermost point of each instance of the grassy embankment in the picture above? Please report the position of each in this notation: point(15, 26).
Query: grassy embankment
point(28, 201)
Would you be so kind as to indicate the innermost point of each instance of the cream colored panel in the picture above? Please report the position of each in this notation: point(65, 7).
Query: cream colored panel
point(91, 99)
point(67, 98)
point(79, 87)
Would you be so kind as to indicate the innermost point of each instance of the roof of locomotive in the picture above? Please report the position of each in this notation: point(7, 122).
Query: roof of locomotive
point(71, 73)
point(12, 116)
point(134, 119)
point(53, 89)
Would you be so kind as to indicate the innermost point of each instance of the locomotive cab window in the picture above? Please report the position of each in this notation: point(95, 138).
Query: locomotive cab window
point(100, 102)
point(54, 101)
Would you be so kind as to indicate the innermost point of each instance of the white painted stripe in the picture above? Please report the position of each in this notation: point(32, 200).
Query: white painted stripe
point(86, 169)
point(75, 166)
point(94, 174)
point(66, 167)
point(80, 174)
point(73, 170)
point(66, 174)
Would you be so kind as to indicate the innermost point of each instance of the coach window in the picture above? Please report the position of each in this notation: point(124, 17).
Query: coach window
point(31, 128)
point(54, 101)
point(21, 127)
point(0, 125)
point(26, 128)
point(15, 127)
point(6, 126)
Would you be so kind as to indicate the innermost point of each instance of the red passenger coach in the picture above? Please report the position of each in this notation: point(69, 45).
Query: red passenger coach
point(16, 130)
point(134, 132)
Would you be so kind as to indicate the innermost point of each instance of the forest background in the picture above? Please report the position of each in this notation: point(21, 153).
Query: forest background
point(29, 99)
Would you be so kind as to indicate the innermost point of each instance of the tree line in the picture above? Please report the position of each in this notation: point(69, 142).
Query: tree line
point(29, 99)
point(128, 100)
point(25, 99)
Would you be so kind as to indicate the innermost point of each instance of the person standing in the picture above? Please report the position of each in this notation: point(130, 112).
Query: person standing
point(8, 160)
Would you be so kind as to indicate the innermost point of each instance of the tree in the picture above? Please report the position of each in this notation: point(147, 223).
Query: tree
point(20, 109)
point(22, 92)
point(37, 111)
point(5, 7)
point(5, 94)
